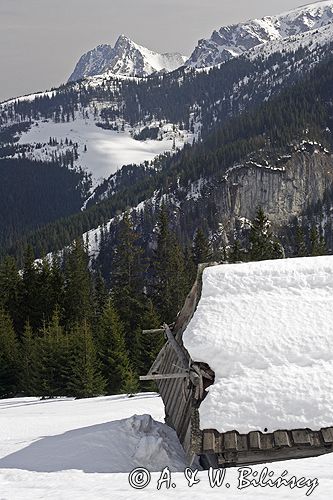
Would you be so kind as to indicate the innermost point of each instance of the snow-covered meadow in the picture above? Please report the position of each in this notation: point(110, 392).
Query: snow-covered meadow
point(101, 152)
point(85, 449)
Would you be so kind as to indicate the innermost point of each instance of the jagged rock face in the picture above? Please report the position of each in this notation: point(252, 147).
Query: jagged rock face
point(232, 41)
point(126, 58)
point(283, 192)
point(291, 190)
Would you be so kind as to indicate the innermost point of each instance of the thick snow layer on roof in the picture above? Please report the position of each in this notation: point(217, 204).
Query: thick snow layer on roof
point(266, 329)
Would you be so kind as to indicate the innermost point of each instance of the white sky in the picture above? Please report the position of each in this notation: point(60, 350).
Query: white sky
point(41, 40)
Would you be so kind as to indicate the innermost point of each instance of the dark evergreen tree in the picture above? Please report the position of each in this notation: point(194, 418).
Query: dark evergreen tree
point(78, 285)
point(237, 253)
point(10, 286)
point(300, 243)
point(263, 244)
point(9, 357)
point(110, 341)
point(29, 376)
point(317, 243)
point(150, 345)
point(202, 252)
point(170, 284)
point(101, 295)
point(30, 300)
point(127, 284)
point(131, 385)
point(54, 355)
point(85, 380)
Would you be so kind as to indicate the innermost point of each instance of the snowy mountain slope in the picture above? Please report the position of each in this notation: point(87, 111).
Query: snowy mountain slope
point(100, 151)
point(125, 58)
point(310, 40)
point(232, 41)
point(78, 440)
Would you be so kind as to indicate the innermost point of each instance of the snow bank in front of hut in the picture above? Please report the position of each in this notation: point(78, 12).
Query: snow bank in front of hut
point(266, 329)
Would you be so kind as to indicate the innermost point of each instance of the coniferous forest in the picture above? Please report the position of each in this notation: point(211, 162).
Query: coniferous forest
point(66, 331)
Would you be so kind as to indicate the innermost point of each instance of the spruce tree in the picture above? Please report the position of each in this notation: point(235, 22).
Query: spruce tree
point(131, 384)
point(170, 284)
point(9, 357)
point(101, 295)
point(78, 285)
point(201, 248)
point(150, 345)
point(111, 345)
point(127, 284)
point(30, 299)
point(263, 244)
point(10, 286)
point(29, 364)
point(236, 253)
point(54, 354)
point(317, 242)
point(300, 243)
point(86, 380)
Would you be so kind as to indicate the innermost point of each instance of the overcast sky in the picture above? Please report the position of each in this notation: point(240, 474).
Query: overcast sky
point(41, 40)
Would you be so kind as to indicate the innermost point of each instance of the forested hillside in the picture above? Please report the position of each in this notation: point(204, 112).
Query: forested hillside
point(266, 136)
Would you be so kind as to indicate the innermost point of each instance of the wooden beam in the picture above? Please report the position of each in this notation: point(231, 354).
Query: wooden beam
point(162, 376)
point(176, 347)
point(157, 330)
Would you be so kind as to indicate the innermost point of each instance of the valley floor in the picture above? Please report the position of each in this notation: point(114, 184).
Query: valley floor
point(85, 449)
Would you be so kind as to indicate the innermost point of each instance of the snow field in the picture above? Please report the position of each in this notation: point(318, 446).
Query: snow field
point(82, 443)
point(107, 150)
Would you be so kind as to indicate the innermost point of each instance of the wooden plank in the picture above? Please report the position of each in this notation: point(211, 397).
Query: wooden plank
point(157, 330)
point(168, 386)
point(186, 423)
point(172, 392)
point(166, 368)
point(327, 434)
point(281, 439)
point(209, 441)
point(186, 410)
point(178, 350)
point(253, 457)
point(174, 401)
point(266, 441)
point(163, 376)
point(230, 441)
point(254, 440)
point(301, 437)
point(158, 363)
point(242, 445)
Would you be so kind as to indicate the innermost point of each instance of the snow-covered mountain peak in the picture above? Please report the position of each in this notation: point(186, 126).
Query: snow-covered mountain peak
point(126, 58)
point(234, 40)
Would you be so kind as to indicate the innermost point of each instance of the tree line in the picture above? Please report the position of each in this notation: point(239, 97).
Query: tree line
point(64, 331)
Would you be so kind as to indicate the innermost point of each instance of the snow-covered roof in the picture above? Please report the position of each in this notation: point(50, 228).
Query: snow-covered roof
point(266, 329)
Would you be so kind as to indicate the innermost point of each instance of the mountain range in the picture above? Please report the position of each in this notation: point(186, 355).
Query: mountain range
point(233, 40)
point(125, 58)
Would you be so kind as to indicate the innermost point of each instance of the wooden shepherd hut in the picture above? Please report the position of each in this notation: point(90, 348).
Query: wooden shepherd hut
point(246, 373)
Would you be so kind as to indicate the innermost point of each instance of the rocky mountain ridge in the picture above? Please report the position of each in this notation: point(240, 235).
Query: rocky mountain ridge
point(234, 40)
point(126, 58)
